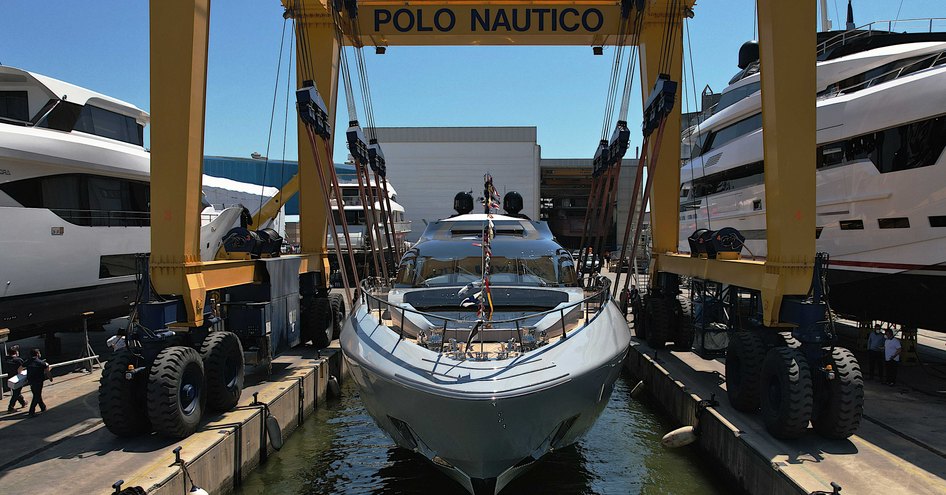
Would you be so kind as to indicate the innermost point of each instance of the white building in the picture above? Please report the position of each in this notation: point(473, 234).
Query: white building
point(430, 165)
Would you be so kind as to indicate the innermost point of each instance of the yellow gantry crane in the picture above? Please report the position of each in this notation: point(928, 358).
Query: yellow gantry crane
point(179, 41)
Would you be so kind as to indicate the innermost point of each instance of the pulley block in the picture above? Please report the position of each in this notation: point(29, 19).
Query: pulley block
point(620, 139)
point(312, 109)
point(376, 158)
point(659, 103)
point(602, 159)
point(357, 144)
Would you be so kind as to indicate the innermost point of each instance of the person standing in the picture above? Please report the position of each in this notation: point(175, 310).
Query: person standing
point(14, 364)
point(875, 353)
point(892, 350)
point(37, 371)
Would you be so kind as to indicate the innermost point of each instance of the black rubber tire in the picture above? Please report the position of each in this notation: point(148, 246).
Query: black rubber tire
point(222, 354)
point(176, 392)
point(744, 358)
point(338, 310)
point(121, 402)
point(317, 321)
point(659, 314)
point(683, 337)
point(837, 415)
point(786, 393)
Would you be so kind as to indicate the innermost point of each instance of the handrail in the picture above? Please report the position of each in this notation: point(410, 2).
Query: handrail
point(603, 288)
point(931, 58)
point(869, 30)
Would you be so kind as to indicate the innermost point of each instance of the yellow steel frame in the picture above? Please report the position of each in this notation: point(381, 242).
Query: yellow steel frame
point(788, 117)
point(179, 33)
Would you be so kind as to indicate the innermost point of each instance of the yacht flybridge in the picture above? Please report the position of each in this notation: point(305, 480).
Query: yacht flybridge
point(485, 353)
point(881, 175)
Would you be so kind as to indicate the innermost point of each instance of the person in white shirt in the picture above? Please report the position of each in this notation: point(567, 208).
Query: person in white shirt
point(892, 350)
point(875, 353)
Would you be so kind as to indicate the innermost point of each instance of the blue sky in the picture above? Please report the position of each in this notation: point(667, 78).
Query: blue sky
point(103, 45)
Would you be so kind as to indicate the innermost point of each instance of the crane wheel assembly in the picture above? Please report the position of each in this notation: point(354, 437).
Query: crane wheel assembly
point(840, 403)
point(338, 314)
point(177, 395)
point(222, 355)
point(683, 309)
point(317, 320)
point(743, 370)
point(786, 392)
point(123, 409)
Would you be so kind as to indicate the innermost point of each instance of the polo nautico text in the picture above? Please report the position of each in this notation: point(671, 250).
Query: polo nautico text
point(491, 20)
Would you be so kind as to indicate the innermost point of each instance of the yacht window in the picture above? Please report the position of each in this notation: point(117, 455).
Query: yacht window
point(353, 217)
point(108, 124)
point(718, 138)
point(63, 117)
point(14, 105)
point(684, 192)
point(938, 221)
point(829, 155)
point(728, 180)
point(117, 265)
point(904, 147)
point(405, 272)
point(85, 200)
point(894, 223)
point(732, 96)
point(539, 271)
point(852, 225)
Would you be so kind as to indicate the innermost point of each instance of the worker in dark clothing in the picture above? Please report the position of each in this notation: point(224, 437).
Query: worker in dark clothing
point(37, 371)
point(12, 365)
point(875, 353)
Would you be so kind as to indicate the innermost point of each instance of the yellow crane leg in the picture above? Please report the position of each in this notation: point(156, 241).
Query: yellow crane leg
point(317, 51)
point(788, 116)
point(788, 120)
point(179, 31)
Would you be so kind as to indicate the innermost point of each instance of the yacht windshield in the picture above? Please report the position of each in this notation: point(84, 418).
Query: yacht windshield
point(541, 271)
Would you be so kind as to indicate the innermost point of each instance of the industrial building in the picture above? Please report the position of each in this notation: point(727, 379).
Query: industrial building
point(429, 165)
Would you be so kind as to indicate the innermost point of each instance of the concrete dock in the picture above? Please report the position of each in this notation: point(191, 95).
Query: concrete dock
point(69, 448)
point(900, 447)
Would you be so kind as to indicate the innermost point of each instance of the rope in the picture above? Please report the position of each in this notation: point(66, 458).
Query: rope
point(272, 116)
point(699, 122)
point(285, 128)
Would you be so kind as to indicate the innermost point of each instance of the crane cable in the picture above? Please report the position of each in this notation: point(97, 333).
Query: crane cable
point(308, 74)
point(604, 189)
point(386, 213)
point(607, 216)
point(648, 158)
point(272, 116)
point(699, 123)
point(371, 229)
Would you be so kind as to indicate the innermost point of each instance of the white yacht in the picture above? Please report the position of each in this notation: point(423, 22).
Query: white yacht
point(356, 214)
point(74, 203)
point(482, 391)
point(881, 173)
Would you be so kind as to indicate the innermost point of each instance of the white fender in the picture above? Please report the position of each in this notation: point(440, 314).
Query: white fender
point(683, 436)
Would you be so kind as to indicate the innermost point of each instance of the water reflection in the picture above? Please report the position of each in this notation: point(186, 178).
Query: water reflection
point(342, 451)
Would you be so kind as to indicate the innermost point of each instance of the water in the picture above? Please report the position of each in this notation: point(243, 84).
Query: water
point(340, 450)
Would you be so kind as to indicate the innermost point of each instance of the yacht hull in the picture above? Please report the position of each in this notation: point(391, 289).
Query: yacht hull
point(483, 423)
